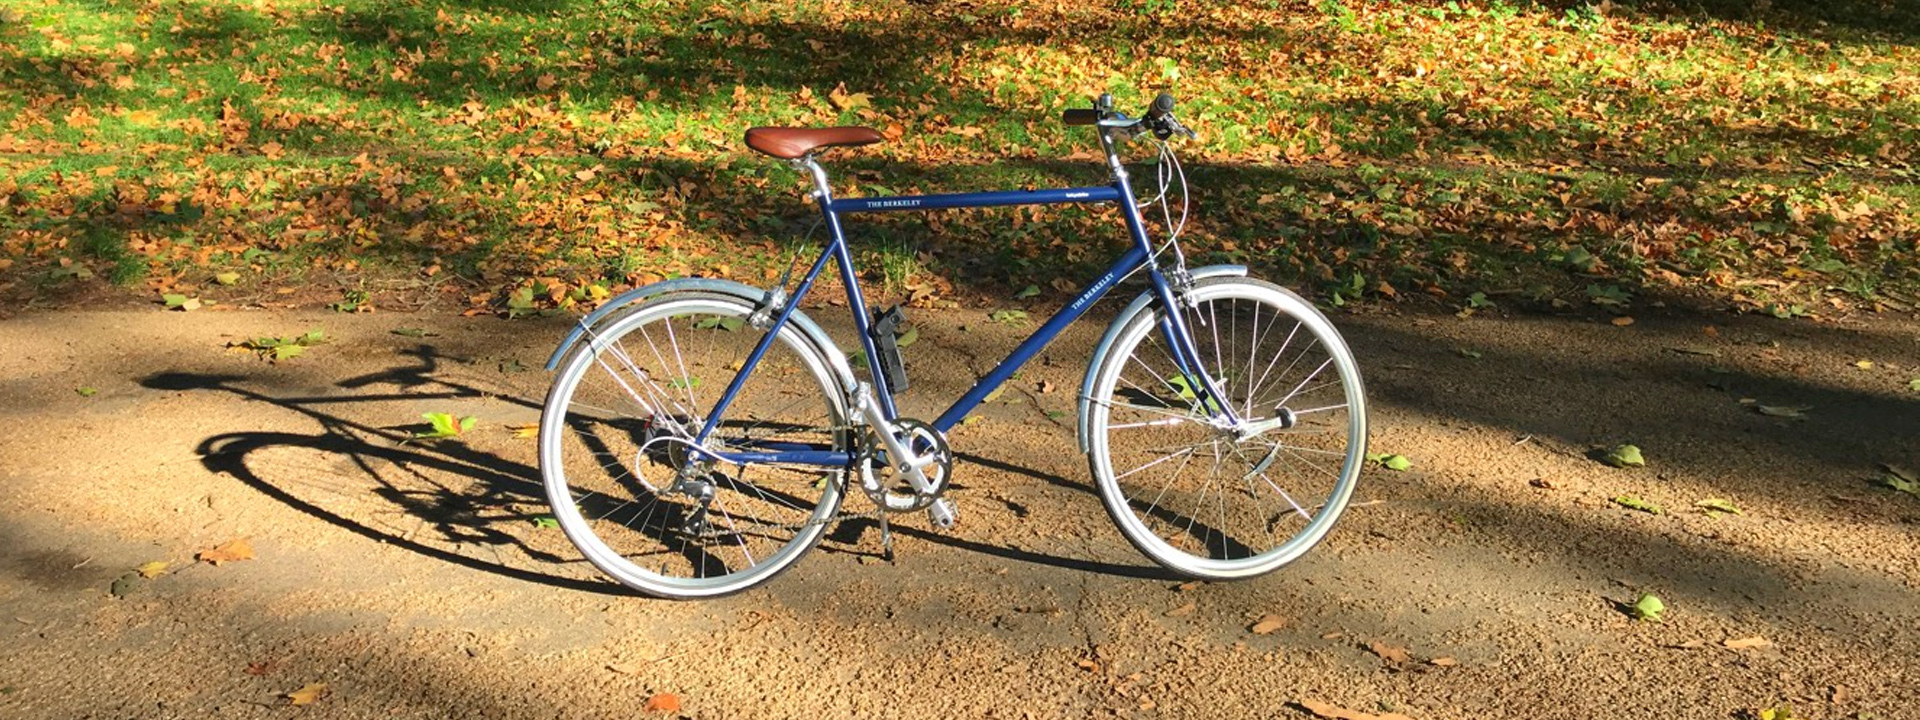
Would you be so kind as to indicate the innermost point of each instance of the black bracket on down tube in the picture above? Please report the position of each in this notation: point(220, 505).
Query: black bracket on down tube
point(885, 325)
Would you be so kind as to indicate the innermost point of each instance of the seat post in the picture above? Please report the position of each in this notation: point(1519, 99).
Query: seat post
point(821, 191)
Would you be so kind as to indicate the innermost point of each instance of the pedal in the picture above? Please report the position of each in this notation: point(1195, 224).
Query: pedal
point(943, 514)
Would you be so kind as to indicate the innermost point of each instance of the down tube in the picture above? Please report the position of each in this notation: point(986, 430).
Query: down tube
point(1127, 263)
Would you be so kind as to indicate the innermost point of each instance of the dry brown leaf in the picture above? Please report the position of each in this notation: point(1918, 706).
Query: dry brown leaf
point(627, 668)
point(1335, 712)
point(230, 551)
point(307, 695)
point(1748, 643)
point(1181, 611)
point(1267, 624)
point(1390, 653)
point(1185, 586)
point(1087, 665)
point(1444, 661)
point(1622, 321)
point(663, 703)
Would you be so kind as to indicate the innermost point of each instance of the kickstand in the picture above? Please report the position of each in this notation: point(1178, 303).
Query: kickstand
point(886, 538)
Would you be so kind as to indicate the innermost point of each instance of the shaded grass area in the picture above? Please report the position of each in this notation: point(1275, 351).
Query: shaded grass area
point(1360, 149)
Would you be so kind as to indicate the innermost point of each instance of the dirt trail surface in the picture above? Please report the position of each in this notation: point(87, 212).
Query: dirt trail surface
point(414, 579)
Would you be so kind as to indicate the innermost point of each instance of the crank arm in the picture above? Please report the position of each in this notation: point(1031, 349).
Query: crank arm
point(910, 464)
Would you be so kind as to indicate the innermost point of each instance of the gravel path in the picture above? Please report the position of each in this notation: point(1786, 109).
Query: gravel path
point(1486, 581)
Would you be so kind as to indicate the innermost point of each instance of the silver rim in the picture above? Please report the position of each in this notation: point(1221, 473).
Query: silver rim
point(622, 412)
point(1197, 498)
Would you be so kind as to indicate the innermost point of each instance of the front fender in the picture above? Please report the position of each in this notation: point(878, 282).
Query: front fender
point(1139, 305)
point(758, 297)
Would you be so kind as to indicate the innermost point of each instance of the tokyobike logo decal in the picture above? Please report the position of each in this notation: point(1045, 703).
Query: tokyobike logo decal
point(893, 203)
point(1078, 195)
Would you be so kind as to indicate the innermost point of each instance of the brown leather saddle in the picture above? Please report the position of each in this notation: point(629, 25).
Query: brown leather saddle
point(792, 143)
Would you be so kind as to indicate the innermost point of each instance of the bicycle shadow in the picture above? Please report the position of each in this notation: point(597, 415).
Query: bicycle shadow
point(468, 502)
point(443, 499)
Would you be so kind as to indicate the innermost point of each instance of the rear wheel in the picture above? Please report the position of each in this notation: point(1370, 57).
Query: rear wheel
point(618, 429)
point(1212, 501)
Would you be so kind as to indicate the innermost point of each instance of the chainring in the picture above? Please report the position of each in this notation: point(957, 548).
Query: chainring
point(884, 483)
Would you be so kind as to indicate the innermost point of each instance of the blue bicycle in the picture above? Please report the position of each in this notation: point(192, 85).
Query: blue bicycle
point(701, 433)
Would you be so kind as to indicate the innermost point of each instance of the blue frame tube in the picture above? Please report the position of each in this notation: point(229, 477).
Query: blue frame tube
point(760, 350)
point(1038, 341)
point(1173, 327)
point(896, 203)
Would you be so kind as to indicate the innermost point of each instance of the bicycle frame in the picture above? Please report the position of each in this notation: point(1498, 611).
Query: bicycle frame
point(1140, 255)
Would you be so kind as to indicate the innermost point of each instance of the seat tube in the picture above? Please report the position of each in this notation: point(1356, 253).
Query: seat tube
point(856, 302)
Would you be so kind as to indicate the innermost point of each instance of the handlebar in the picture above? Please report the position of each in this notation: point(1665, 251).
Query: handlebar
point(1158, 119)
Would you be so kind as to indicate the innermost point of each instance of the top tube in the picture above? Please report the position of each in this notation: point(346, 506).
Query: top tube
point(1104, 193)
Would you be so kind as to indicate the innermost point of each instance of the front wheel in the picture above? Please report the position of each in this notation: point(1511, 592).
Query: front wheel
point(1200, 495)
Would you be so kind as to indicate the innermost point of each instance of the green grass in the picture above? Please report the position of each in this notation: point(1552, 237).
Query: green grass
point(1430, 148)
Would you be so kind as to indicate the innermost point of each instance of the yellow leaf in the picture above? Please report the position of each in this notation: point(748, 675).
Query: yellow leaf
point(525, 431)
point(1864, 364)
point(231, 551)
point(307, 695)
point(1622, 321)
point(152, 569)
point(844, 100)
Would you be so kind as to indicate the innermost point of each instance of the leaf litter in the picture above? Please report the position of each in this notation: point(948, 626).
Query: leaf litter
point(233, 550)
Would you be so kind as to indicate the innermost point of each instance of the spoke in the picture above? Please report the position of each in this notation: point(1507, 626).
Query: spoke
point(1277, 354)
point(637, 372)
point(687, 377)
point(1297, 448)
point(686, 380)
point(738, 536)
point(1253, 356)
point(1303, 382)
point(1213, 316)
point(1309, 463)
point(1285, 496)
point(1188, 451)
point(1168, 485)
point(1189, 416)
point(1193, 408)
point(1149, 423)
point(1320, 409)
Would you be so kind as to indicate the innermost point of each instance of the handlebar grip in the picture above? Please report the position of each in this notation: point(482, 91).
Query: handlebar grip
point(1080, 116)
point(1162, 104)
